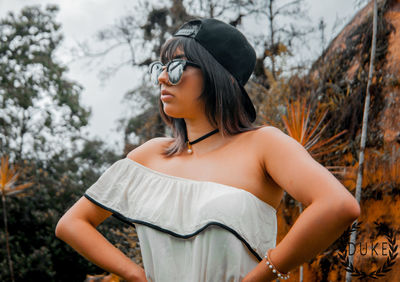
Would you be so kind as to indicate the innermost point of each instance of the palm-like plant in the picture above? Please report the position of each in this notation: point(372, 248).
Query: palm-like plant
point(8, 177)
point(298, 126)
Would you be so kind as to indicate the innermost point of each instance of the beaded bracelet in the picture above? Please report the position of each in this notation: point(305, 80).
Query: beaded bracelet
point(269, 264)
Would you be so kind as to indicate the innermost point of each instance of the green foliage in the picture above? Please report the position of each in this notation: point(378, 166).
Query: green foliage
point(30, 75)
point(38, 102)
point(33, 215)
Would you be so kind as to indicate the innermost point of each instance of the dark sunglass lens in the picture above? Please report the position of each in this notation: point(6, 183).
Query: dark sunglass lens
point(175, 71)
point(155, 71)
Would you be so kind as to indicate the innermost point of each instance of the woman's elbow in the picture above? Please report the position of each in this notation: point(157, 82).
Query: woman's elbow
point(350, 209)
point(58, 232)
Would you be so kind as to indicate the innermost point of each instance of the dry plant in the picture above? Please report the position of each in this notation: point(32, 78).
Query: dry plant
point(309, 133)
point(8, 177)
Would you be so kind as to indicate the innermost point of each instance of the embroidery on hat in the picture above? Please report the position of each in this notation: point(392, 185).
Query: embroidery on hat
point(190, 30)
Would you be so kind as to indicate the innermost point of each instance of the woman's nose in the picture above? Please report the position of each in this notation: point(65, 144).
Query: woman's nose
point(163, 77)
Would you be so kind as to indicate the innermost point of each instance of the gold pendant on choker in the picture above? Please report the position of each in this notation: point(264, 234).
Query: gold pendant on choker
point(189, 150)
point(189, 144)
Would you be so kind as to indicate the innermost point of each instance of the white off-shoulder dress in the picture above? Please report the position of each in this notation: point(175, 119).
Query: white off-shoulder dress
point(188, 230)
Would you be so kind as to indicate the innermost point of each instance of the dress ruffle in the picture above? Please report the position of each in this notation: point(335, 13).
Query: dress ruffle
point(183, 207)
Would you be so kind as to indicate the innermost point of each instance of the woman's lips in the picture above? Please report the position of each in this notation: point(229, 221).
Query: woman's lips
point(165, 95)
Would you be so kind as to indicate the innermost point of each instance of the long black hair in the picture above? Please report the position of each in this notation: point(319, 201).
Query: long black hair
point(221, 94)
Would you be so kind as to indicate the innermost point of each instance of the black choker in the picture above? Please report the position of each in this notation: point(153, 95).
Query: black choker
point(189, 144)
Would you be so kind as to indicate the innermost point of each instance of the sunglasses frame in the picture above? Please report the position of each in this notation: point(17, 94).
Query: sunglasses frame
point(181, 61)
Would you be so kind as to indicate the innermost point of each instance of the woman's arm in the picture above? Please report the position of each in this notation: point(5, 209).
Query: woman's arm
point(77, 227)
point(330, 207)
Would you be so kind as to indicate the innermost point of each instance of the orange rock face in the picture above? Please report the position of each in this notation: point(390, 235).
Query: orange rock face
point(381, 185)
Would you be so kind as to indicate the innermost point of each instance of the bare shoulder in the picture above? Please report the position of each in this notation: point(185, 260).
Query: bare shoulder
point(271, 136)
point(269, 131)
point(150, 148)
point(273, 143)
point(262, 140)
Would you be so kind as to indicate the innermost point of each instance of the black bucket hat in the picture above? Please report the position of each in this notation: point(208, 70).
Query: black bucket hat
point(229, 47)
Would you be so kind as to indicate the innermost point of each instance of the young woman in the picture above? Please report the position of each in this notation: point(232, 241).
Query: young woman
point(204, 201)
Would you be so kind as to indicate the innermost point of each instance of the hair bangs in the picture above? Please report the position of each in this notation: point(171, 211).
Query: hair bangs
point(170, 48)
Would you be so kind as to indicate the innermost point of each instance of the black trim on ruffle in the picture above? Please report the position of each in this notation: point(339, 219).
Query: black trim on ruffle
point(131, 222)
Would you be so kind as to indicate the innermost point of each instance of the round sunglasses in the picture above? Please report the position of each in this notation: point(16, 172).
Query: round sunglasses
point(175, 70)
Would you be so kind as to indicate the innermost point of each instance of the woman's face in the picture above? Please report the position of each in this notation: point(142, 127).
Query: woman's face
point(183, 100)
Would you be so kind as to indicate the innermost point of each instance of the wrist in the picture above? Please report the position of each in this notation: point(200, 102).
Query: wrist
point(261, 273)
point(136, 274)
point(273, 268)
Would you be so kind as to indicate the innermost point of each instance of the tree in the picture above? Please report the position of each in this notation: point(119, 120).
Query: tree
point(40, 122)
point(364, 129)
point(36, 253)
point(39, 105)
point(280, 39)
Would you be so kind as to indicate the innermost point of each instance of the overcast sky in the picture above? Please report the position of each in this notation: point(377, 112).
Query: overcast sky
point(81, 19)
